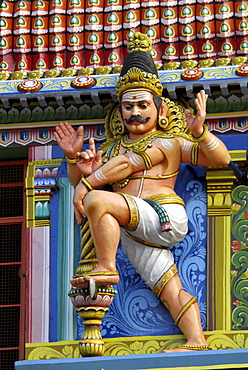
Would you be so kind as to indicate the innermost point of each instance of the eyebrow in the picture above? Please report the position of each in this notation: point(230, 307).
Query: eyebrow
point(131, 101)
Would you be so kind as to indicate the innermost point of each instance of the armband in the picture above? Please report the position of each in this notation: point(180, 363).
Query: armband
point(203, 135)
point(194, 154)
point(146, 159)
point(70, 160)
point(86, 184)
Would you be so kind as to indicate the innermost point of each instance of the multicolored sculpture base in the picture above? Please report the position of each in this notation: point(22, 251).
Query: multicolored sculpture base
point(92, 311)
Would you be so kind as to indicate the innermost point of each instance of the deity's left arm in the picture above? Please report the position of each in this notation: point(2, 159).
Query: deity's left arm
point(213, 152)
point(210, 152)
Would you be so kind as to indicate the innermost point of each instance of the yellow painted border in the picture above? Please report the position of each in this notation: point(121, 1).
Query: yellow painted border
point(219, 188)
point(51, 124)
point(217, 340)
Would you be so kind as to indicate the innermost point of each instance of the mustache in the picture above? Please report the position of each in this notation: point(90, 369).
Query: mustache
point(136, 119)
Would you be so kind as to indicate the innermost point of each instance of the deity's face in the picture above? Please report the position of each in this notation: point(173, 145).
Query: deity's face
point(138, 112)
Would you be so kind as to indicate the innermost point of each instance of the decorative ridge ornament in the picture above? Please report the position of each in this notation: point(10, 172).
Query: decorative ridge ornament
point(139, 41)
point(139, 70)
point(29, 86)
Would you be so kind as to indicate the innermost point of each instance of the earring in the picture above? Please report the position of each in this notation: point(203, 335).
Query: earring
point(163, 122)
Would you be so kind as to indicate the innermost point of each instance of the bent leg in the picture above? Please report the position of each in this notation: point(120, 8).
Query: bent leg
point(105, 212)
point(175, 298)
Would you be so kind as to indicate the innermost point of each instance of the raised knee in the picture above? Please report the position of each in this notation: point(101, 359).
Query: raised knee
point(93, 201)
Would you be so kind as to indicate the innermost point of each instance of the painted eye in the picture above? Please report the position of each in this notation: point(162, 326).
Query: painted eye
point(143, 106)
point(128, 107)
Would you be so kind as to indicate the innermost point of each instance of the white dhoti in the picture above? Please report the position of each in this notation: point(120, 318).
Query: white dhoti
point(146, 245)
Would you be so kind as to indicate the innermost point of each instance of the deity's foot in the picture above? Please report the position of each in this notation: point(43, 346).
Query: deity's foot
point(188, 347)
point(101, 278)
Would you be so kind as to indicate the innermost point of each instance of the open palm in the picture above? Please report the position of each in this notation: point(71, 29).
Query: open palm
point(69, 140)
point(195, 123)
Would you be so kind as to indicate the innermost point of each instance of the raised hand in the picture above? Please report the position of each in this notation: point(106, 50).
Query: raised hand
point(89, 160)
point(195, 124)
point(69, 140)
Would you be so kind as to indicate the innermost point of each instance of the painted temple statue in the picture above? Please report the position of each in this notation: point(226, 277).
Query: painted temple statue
point(60, 62)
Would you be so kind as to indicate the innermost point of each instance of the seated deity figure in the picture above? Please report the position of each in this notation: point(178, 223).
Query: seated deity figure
point(148, 137)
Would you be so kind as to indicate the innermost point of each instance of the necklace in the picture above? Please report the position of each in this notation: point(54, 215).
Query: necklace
point(139, 145)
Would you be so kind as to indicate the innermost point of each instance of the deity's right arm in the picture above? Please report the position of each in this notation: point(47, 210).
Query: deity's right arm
point(122, 166)
point(73, 173)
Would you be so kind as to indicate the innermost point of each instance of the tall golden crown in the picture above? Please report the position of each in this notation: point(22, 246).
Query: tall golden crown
point(137, 78)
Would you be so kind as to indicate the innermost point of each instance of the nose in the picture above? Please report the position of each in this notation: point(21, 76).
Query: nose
point(135, 110)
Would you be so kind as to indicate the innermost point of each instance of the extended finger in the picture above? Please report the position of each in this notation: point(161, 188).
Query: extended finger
point(63, 130)
point(92, 145)
point(68, 127)
point(202, 98)
point(198, 99)
point(200, 103)
point(80, 131)
point(59, 132)
point(57, 136)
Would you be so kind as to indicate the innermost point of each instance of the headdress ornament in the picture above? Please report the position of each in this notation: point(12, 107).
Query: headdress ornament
point(139, 70)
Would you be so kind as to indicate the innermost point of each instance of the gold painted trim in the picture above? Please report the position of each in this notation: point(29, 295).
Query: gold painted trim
point(238, 155)
point(134, 212)
point(219, 212)
point(226, 176)
point(218, 339)
point(51, 124)
point(165, 278)
point(219, 187)
point(42, 198)
point(45, 162)
point(141, 241)
point(227, 115)
point(30, 194)
point(167, 199)
point(40, 223)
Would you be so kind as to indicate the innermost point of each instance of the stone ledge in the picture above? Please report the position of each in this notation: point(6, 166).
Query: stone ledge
point(222, 359)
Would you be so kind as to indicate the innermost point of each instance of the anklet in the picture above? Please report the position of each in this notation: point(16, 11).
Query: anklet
point(184, 309)
point(197, 347)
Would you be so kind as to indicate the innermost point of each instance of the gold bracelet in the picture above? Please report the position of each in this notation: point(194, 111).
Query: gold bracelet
point(86, 184)
point(203, 135)
point(70, 160)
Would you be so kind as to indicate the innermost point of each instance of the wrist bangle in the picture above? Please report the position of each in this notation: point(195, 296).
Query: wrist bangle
point(203, 135)
point(70, 160)
point(86, 184)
